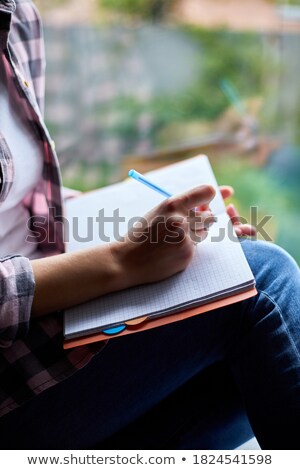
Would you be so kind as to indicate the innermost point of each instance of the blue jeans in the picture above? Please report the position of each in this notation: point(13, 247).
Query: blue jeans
point(259, 339)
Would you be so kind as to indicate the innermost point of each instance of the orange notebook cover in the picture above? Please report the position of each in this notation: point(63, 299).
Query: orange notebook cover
point(145, 324)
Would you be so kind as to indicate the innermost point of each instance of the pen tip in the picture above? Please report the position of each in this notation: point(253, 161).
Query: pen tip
point(130, 172)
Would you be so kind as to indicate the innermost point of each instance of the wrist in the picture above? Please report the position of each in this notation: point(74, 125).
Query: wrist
point(124, 274)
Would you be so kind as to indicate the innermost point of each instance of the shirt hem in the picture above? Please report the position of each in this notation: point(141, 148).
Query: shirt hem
point(68, 372)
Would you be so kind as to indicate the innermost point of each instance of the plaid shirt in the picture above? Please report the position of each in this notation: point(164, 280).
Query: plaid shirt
point(31, 354)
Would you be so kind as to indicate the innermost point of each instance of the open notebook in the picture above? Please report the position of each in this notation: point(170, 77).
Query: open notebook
point(218, 271)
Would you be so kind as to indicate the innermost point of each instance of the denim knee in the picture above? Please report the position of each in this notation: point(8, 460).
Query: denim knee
point(275, 310)
point(275, 271)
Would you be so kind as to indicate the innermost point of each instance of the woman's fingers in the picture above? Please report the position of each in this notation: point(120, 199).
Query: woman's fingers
point(245, 230)
point(195, 204)
point(226, 191)
point(233, 214)
point(201, 220)
point(200, 197)
point(198, 236)
point(191, 199)
point(240, 228)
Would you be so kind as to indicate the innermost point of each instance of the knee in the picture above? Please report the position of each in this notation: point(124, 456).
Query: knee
point(271, 265)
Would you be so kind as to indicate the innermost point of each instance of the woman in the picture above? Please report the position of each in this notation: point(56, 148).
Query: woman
point(258, 338)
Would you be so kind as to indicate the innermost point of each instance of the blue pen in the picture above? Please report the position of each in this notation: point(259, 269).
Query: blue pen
point(141, 179)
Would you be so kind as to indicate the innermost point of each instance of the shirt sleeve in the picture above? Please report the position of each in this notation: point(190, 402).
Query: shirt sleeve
point(16, 296)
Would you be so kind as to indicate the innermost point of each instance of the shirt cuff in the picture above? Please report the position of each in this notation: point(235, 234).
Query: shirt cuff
point(16, 297)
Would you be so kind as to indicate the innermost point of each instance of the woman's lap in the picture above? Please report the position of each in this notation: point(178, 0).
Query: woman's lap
point(132, 374)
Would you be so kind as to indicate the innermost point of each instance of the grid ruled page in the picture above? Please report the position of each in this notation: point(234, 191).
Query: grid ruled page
point(218, 268)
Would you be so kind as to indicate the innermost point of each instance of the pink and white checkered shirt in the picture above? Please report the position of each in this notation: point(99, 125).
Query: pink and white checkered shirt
point(31, 354)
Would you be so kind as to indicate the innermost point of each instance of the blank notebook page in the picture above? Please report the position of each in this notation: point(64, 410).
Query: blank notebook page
point(218, 269)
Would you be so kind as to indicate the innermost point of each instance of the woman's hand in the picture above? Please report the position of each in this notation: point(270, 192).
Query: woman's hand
point(240, 228)
point(163, 242)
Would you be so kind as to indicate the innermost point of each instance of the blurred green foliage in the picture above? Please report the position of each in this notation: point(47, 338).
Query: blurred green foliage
point(221, 58)
point(144, 9)
point(203, 99)
point(288, 2)
point(85, 176)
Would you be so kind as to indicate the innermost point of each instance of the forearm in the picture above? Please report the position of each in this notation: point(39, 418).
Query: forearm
point(69, 279)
